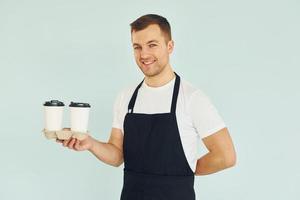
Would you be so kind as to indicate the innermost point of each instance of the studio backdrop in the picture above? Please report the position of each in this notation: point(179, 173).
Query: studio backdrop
point(243, 54)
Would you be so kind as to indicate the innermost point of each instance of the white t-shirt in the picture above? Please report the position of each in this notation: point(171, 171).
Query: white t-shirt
point(196, 116)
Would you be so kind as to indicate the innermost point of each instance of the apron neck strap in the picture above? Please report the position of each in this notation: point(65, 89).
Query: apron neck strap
point(133, 98)
point(175, 93)
point(174, 97)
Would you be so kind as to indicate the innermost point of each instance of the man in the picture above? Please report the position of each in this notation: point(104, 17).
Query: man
point(158, 123)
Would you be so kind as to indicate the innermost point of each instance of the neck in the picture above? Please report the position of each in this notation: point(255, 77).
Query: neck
point(160, 79)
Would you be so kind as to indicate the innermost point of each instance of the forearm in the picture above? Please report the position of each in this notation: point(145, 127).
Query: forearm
point(211, 162)
point(107, 153)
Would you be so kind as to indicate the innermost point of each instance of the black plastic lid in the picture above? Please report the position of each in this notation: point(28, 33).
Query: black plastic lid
point(81, 105)
point(54, 103)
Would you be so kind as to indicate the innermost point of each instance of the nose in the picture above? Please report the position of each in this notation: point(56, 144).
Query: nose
point(144, 54)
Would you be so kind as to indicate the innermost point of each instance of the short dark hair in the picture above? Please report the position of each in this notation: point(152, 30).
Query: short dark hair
point(149, 19)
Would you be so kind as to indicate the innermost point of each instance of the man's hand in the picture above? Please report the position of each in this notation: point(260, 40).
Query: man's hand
point(75, 144)
point(111, 152)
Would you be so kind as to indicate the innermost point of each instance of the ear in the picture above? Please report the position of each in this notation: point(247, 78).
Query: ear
point(170, 46)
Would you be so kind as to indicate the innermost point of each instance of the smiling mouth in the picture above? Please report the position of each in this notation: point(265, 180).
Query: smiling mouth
point(148, 62)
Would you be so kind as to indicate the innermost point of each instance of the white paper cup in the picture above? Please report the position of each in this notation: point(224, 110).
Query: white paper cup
point(79, 116)
point(53, 113)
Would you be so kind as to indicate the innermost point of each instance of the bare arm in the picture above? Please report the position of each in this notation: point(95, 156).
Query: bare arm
point(221, 153)
point(110, 153)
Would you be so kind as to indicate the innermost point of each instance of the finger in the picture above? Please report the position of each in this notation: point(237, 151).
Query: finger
point(66, 129)
point(71, 144)
point(77, 145)
point(66, 142)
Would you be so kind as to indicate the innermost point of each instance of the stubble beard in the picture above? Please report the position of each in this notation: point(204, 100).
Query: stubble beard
point(154, 71)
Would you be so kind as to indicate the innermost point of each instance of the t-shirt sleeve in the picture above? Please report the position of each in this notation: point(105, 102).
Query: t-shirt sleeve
point(117, 112)
point(204, 114)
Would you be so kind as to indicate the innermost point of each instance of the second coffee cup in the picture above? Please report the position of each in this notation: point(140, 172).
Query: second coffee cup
point(79, 116)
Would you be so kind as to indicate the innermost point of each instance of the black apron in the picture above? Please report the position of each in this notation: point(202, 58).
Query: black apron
point(155, 166)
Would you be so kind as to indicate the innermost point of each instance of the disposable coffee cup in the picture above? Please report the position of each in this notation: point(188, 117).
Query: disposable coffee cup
point(53, 113)
point(79, 116)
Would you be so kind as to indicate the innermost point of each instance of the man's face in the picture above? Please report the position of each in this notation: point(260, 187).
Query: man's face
point(151, 50)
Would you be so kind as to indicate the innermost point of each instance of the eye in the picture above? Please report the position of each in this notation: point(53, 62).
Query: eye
point(152, 45)
point(136, 47)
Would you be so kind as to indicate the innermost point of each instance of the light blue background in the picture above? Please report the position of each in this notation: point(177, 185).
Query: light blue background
point(243, 54)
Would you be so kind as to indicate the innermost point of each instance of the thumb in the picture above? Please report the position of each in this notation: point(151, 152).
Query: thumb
point(77, 146)
point(80, 146)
